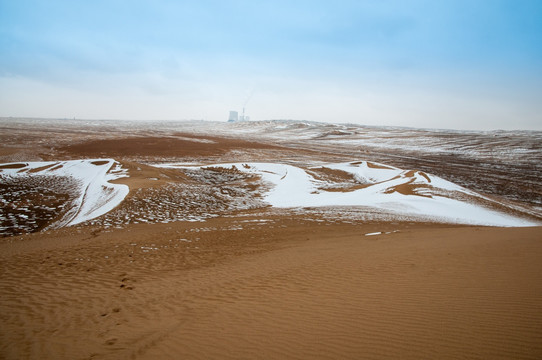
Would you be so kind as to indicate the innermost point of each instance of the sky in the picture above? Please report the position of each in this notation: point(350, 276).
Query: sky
point(460, 64)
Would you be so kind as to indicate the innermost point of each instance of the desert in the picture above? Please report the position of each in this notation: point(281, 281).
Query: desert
point(232, 179)
point(268, 239)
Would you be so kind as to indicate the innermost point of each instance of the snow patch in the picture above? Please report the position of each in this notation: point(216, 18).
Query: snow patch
point(437, 200)
point(96, 195)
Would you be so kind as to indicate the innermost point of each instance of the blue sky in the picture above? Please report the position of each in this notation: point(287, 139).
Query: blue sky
point(442, 64)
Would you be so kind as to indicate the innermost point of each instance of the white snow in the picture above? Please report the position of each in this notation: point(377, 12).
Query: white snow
point(96, 195)
point(293, 187)
point(426, 197)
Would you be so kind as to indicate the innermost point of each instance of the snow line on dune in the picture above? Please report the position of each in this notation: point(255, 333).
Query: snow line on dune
point(294, 187)
point(95, 194)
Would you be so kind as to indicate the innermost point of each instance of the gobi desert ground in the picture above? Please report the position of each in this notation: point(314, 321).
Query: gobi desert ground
point(268, 240)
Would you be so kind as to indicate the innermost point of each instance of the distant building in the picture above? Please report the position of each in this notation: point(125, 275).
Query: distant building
point(234, 116)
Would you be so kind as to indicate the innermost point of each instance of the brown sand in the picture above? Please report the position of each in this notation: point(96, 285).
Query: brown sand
point(287, 287)
point(284, 288)
point(168, 146)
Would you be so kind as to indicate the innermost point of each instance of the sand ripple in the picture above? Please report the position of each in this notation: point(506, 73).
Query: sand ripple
point(292, 289)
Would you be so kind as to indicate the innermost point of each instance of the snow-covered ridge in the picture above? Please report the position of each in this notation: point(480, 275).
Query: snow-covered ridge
point(94, 194)
point(376, 186)
point(368, 186)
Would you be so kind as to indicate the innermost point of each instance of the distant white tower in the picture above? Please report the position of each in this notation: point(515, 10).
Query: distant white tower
point(234, 116)
point(244, 117)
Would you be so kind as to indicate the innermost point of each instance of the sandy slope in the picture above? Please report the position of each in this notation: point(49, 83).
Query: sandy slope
point(268, 283)
point(279, 288)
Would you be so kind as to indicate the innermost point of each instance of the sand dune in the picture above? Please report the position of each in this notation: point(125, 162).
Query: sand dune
point(85, 185)
point(161, 195)
point(208, 262)
point(376, 186)
point(290, 288)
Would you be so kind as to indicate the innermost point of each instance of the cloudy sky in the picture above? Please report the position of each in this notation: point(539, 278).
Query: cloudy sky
point(472, 64)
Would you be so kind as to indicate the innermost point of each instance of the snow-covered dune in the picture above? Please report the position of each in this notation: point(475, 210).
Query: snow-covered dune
point(93, 194)
point(374, 187)
point(377, 186)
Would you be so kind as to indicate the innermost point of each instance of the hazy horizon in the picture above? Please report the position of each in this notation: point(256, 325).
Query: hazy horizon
point(449, 65)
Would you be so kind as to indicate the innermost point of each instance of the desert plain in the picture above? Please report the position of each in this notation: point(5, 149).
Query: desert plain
point(268, 240)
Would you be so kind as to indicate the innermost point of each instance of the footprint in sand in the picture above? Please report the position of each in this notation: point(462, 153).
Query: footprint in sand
point(125, 282)
point(111, 341)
